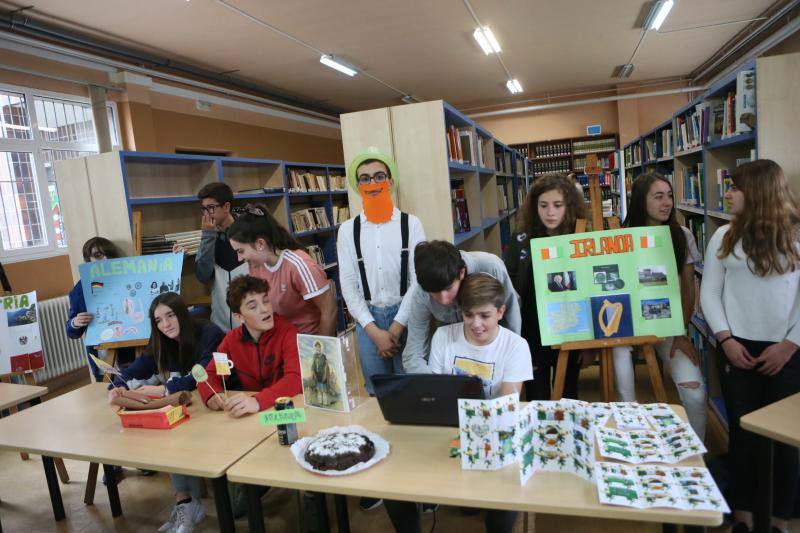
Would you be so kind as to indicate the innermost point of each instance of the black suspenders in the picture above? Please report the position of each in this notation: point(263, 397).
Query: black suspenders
point(403, 255)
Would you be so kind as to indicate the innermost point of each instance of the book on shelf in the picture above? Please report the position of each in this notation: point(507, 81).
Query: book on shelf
point(594, 145)
point(158, 244)
point(464, 146)
point(724, 183)
point(306, 182)
point(340, 214)
point(507, 162)
point(316, 254)
point(742, 160)
point(745, 100)
point(479, 142)
point(338, 183)
point(502, 199)
point(666, 143)
point(460, 211)
point(649, 149)
point(310, 219)
point(520, 196)
point(561, 149)
point(697, 225)
point(693, 185)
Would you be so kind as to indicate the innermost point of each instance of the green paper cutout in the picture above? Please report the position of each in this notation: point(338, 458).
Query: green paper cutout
point(287, 416)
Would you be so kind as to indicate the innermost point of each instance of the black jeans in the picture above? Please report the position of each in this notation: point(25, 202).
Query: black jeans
point(544, 369)
point(405, 517)
point(746, 391)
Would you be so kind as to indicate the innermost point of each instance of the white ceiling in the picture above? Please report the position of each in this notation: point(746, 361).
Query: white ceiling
point(422, 47)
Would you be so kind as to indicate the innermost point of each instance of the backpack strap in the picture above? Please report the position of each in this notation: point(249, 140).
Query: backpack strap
point(404, 254)
point(361, 269)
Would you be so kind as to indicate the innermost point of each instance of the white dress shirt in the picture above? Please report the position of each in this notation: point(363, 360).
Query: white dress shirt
point(381, 246)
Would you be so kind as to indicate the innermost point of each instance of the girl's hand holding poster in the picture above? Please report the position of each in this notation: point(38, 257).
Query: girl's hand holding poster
point(118, 293)
point(605, 284)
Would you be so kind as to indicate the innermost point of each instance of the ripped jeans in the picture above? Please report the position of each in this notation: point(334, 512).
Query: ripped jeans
point(683, 372)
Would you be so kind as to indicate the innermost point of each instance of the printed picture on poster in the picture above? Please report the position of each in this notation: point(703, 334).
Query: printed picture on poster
point(653, 276)
point(322, 371)
point(656, 309)
point(607, 277)
point(567, 318)
point(562, 281)
point(611, 316)
point(118, 293)
point(20, 337)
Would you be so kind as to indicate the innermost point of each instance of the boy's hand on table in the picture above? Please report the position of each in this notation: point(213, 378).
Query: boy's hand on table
point(215, 403)
point(153, 391)
point(240, 405)
point(116, 392)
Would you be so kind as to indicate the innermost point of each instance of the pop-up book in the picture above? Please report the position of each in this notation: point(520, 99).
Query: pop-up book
point(488, 429)
point(648, 486)
point(668, 445)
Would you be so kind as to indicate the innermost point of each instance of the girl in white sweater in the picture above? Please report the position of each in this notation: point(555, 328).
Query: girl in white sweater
point(751, 300)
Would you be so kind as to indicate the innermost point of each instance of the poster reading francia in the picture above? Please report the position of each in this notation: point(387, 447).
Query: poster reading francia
point(118, 293)
point(20, 339)
point(604, 284)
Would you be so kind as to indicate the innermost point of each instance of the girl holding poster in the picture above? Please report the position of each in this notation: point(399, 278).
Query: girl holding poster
point(652, 204)
point(751, 301)
point(551, 208)
point(177, 343)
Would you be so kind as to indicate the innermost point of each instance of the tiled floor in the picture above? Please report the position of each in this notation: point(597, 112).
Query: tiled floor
point(147, 501)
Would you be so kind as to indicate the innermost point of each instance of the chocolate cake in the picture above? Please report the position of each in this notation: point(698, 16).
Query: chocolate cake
point(339, 451)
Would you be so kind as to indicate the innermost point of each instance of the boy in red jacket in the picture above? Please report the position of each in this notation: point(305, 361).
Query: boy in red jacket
point(263, 350)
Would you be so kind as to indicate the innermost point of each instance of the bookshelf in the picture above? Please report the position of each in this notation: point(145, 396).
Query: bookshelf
point(462, 182)
point(161, 190)
point(568, 154)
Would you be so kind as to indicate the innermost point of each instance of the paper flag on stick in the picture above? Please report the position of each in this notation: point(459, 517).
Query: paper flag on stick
point(201, 376)
point(222, 364)
point(105, 367)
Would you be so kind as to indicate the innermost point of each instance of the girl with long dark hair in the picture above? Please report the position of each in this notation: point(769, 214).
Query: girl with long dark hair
point(177, 342)
point(552, 208)
point(751, 301)
point(298, 287)
point(652, 204)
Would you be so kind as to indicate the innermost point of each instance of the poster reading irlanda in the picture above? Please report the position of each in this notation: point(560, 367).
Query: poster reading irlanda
point(20, 339)
point(119, 291)
point(605, 284)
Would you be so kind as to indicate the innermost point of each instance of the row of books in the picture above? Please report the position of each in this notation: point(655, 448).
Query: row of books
point(464, 146)
point(553, 150)
point(697, 225)
point(689, 133)
point(502, 162)
point(310, 219)
point(607, 162)
point(633, 155)
point(340, 214)
point(650, 149)
point(460, 211)
point(502, 199)
point(594, 145)
point(549, 167)
point(316, 254)
point(666, 142)
point(692, 183)
point(606, 179)
point(306, 182)
point(159, 244)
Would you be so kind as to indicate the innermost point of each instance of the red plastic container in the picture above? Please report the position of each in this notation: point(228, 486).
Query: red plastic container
point(155, 419)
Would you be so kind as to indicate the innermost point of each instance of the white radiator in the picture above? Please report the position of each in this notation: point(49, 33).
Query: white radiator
point(61, 354)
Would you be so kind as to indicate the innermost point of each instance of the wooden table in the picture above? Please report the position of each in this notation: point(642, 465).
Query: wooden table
point(776, 422)
point(419, 469)
point(82, 425)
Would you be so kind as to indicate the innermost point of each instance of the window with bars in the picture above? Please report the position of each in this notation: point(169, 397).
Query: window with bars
point(36, 130)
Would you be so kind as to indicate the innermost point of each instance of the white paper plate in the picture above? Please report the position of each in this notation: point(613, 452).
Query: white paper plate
point(381, 450)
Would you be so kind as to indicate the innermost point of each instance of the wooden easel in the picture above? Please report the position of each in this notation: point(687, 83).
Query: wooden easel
point(605, 346)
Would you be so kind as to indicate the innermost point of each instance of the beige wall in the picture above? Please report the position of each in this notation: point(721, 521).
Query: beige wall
point(552, 123)
point(50, 278)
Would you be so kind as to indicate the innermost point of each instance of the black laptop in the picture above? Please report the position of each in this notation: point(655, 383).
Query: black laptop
point(424, 399)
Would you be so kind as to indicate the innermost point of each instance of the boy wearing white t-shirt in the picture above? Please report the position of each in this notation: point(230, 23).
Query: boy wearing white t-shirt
point(478, 346)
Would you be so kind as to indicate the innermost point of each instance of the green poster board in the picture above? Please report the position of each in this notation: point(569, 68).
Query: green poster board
point(605, 284)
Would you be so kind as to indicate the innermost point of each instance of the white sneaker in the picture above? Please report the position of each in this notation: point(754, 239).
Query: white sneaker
point(188, 515)
point(169, 525)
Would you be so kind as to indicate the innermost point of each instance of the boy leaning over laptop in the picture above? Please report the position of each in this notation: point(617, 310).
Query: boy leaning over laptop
point(481, 347)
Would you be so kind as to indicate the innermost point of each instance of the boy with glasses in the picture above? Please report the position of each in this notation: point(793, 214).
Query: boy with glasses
point(215, 259)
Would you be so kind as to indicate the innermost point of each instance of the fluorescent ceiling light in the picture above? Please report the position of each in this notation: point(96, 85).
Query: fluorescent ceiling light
point(658, 14)
point(486, 39)
point(329, 61)
point(514, 86)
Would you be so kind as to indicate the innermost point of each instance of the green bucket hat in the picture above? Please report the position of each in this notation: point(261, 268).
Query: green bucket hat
point(371, 152)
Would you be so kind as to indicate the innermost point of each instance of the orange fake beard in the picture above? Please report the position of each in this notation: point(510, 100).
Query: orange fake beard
point(377, 208)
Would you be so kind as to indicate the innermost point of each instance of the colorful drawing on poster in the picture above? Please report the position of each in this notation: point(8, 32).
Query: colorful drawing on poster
point(116, 294)
point(607, 277)
point(611, 316)
point(652, 276)
point(607, 263)
point(656, 309)
point(20, 338)
point(562, 281)
point(488, 432)
point(322, 371)
point(568, 318)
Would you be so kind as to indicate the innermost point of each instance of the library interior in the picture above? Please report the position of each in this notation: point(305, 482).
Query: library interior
point(464, 265)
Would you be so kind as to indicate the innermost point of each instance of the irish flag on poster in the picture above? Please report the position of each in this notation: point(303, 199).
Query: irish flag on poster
point(552, 252)
point(649, 241)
